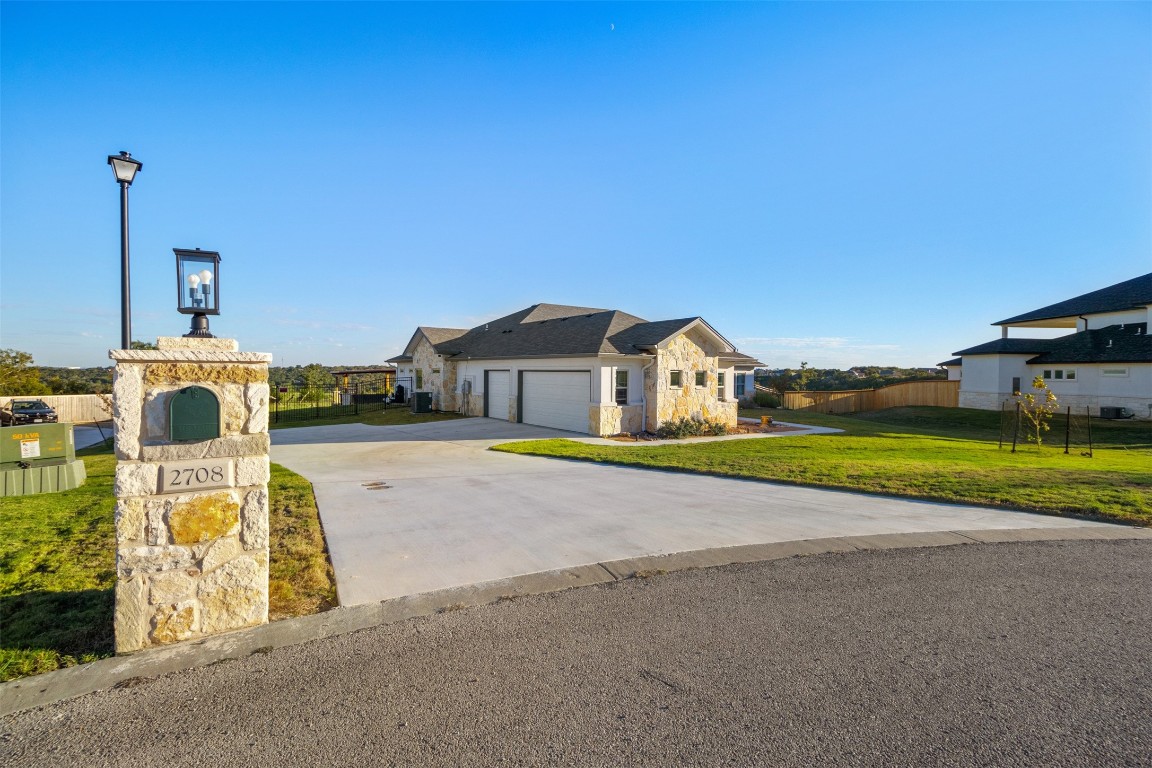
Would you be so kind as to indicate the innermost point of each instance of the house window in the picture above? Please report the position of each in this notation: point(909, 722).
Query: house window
point(701, 378)
point(419, 378)
point(674, 378)
point(1114, 373)
point(720, 386)
point(621, 387)
point(1060, 374)
point(740, 384)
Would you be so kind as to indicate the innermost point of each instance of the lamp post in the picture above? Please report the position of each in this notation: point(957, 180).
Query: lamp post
point(198, 288)
point(125, 169)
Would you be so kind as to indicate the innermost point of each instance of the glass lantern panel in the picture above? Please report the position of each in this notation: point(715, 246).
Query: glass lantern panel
point(197, 283)
point(125, 170)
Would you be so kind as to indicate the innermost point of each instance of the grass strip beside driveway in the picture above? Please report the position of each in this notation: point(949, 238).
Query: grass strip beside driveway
point(942, 458)
point(58, 567)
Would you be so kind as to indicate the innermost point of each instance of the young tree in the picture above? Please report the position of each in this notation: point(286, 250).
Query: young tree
point(1036, 409)
point(18, 375)
point(804, 379)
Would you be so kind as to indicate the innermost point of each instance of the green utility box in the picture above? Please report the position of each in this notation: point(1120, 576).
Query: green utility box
point(37, 443)
point(421, 402)
point(39, 458)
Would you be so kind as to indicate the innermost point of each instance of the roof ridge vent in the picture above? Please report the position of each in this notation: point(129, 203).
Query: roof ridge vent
point(1109, 343)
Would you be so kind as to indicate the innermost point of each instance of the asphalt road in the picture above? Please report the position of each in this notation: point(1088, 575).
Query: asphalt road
point(1009, 654)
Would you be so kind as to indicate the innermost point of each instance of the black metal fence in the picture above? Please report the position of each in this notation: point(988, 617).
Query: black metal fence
point(299, 402)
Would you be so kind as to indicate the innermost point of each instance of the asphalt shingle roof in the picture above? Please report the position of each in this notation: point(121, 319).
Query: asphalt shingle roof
point(1008, 347)
point(557, 330)
point(1127, 343)
point(1129, 294)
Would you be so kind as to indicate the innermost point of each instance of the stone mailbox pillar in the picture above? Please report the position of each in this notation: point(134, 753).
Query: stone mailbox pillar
point(191, 490)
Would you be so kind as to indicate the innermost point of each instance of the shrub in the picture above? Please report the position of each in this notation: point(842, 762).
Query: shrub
point(677, 429)
point(766, 400)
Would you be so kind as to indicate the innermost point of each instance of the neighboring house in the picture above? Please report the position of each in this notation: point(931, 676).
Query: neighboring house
point(1106, 362)
point(595, 371)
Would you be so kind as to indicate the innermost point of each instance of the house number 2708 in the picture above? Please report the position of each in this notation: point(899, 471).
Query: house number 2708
point(177, 476)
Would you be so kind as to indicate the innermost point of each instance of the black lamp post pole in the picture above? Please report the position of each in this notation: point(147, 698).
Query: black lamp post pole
point(125, 279)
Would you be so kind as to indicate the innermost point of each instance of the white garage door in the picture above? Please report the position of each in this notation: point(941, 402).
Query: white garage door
point(497, 389)
point(557, 399)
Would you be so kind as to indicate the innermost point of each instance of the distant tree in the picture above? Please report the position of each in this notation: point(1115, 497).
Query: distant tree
point(804, 378)
point(143, 345)
point(18, 375)
point(1037, 409)
point(317, 380)
point(778, 382)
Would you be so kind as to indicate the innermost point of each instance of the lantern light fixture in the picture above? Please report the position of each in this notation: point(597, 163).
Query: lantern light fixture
point(198, 287)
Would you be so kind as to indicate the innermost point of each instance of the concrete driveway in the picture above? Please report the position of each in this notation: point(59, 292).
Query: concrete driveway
point(412, 509)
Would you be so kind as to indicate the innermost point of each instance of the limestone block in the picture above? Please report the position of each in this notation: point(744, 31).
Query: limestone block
point(256, 397)
point(173, 623)
point(201, 518)
point(233, 409)
point(127, 399)
point(168, 343)
point(132, 614)
point(234, 595)
point(254, 520)
point(252, 470)
point(131, 561)
point(136, 479)
point(156, 413)
point(232, 445)
point(131, 520)
point(171, 587)
point(220, 552)
point(183, 373)
point(156, 529)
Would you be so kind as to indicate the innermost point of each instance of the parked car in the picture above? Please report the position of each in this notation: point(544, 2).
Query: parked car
point(26, 412)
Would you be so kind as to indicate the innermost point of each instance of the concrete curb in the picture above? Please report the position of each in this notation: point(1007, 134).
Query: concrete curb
point(123, 671)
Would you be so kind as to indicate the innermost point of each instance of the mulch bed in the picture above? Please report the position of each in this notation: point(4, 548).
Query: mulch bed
point(739, 429)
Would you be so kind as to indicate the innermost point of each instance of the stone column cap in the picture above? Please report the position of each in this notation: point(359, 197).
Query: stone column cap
point(187, 355)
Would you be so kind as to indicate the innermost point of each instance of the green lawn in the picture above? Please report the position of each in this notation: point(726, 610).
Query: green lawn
point(58, 567)
point(942, 454)
point(398, 414)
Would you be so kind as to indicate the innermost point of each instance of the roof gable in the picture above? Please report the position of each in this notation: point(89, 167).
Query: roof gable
point(546, 330)
point(1130, 294)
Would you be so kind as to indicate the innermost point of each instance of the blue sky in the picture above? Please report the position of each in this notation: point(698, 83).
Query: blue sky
point(840, 183)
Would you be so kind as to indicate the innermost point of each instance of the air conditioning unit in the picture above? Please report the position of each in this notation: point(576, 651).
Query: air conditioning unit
point(1115, 412)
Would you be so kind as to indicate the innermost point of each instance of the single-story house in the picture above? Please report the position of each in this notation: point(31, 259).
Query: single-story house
point(595, 371)
point(1106, 362)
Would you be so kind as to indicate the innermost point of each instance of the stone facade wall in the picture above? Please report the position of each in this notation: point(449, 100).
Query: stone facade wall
point(190, 562)
point(688, 401)
point(604, 420)
point(426, 360)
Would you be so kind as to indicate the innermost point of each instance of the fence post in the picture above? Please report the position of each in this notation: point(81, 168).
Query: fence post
point(1016, 427)
point(1088, 415)
point(1067, 428)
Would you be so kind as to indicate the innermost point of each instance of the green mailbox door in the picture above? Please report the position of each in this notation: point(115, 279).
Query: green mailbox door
point(194, 414)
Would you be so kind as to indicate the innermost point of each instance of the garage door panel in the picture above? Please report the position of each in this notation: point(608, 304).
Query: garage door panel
point(497, 389)
point(557, 399)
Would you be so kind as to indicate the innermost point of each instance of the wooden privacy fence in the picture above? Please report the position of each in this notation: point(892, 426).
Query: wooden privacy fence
point(941, 393)
point(77, 409)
